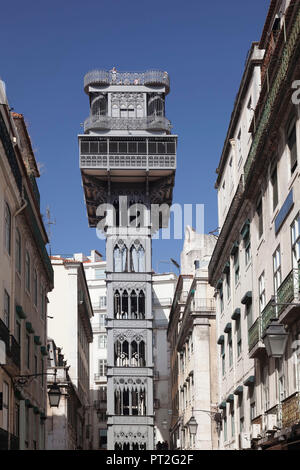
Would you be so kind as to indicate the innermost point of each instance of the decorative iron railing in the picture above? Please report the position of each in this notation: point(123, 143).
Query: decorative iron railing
point(128, 161)
point(291, 411)
point(254, 334)
point(203, 305)
point(273, 93)
point(111, 77)
point(288, 290)
point(268, 314)
point(121, 123)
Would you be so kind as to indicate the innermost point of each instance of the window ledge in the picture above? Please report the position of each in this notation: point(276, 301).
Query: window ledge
point(292, 181)
point(261, 242)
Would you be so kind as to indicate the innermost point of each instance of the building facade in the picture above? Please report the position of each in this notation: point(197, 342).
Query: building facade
point(255, 266)
point(128, 160)
point(26, 276)
point(69, 324)
point(192, 338)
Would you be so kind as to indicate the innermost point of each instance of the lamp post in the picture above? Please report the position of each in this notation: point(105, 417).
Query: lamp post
point(193, 425)
point(54, 392)
point(275, 339)
point(54, 395)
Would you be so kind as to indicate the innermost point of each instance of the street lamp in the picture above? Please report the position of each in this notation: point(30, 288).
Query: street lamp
point(275, 339)
point(54, 395)
point(193, 426)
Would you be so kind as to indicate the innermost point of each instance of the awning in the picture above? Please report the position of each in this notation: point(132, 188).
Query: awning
point(228, 328)
point(234, 248)
point(245, 230)
point(44, 351)
point(20, 312)
point(222, 406)
point(238, 390)
point(250, 381)
point(247, 299)
point(221, 340)
point(29, 327)
point(230, 398)
point(37, 340)
point(226, 268)
point(236, 314)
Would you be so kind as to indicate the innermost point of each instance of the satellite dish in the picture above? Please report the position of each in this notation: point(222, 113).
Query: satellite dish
point(2, 353)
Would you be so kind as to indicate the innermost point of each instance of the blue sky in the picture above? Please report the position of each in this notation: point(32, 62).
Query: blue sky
point(47, 47)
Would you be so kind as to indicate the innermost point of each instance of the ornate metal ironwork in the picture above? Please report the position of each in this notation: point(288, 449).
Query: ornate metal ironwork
point(272, 96)
point(128, 161)
point(112, 77)
point(254, 334)
point(291, 411)
point(268, 314)
point(288, 290)
point(130, 123)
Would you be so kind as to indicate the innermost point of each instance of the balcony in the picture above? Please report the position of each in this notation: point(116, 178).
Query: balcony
point(268, 314)
point(287, 294)
point(291, 411)
point(149, 123)
point(4, 335)
point(152, 78)
point(256, 346)
point(145, 162)
point(203, 305)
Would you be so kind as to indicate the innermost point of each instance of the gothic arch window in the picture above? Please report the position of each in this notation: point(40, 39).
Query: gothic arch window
point(156, 106)
point(121, 353)
point(137, 356)
point(115, 111)
point(99, 106)
point(135, 403)
point(117, 305)
point(133, 305)
point(118, 402)
point(125, 306)
point(137, 258)
point(126, 405)
point(120, 258)
point(141, 305)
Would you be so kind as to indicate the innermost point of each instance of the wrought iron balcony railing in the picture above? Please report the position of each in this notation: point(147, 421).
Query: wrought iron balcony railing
point(291, 411)
point(147, 162)
point(268, 314)
point(104, 78)
point(288, 290)
point(254, 334)
point(150, 123)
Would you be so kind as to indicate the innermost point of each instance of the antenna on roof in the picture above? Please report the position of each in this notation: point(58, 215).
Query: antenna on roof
point(49, 222)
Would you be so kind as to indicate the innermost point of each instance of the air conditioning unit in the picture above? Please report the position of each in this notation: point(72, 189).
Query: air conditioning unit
point(271, 422)
point(255, 431)
point(245, 441)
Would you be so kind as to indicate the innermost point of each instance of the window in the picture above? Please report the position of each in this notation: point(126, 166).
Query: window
point(277, 269)
point(292, 144)
point(249, 315)
point(102, 367)
point(281, 379)
point(266, 399)
point(236, 267)
point(223, 358)
point(262, 292)
point(252, 402)
point(296, 241)
point(18, 332)
point(28, 351)
point(232, 423)
point(27, 271)
point(35, 287)
point(225, 428)
point(238, 336)
point(102, 341)
point(18, 252)
point(102, 301)
point(99, 273)
point(5, 407)
point(102, 320)
point(42, 372)
point(6, 308)
point(259, 212)
point(35, 364)
point(228, 284)
point(221, 298)
point(230, 348)
point(7, 225)
point(247, 244)
point(274, 183)
point(43, 301)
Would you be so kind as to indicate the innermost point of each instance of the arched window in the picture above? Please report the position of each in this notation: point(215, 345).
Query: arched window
point(120, 259)
point(118, 402)
point(142, 402)
point(99, 106)
point(121, 353)
point(156, 106)
point(117, 305)
point(124, 306)
point(134, 357)
point(141, 303)
point(141, 258)
point(142, 354)
point(134, 261)
point(135, 402)
point(133, 305)
point(126, 407)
